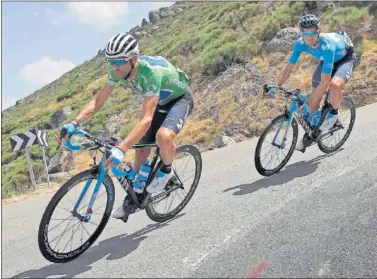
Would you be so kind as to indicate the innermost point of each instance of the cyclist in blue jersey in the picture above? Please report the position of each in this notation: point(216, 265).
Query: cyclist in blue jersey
point(336, 62)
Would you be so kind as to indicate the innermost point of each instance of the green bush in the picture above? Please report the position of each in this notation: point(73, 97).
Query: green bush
point(217, 60)
point(285, 16)
point(340, 16)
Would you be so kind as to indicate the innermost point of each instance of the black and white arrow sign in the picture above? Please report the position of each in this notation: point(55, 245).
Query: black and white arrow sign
point(42, 138)
point(28, 138)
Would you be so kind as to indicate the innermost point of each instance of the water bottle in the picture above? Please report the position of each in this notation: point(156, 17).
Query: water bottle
point(142, 177)
point(316, 118)
point(131, 173)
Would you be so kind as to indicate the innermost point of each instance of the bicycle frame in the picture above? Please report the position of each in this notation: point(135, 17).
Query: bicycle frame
point(100, 168)
point(297, 100)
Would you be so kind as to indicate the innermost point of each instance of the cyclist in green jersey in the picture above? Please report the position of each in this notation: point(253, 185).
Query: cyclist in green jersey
point(168, 101)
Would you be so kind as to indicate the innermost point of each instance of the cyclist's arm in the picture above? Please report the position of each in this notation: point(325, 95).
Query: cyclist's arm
point(285, 73)
point(95, 104)
point(287, 70)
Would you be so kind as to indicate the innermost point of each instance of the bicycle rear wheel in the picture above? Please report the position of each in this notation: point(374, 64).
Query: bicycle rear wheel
point(323, 142)
point(279, 121)
point(172, 187)
point(45, 248)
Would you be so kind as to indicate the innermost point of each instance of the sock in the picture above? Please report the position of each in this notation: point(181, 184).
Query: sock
point(166, 168)
point(334, 111)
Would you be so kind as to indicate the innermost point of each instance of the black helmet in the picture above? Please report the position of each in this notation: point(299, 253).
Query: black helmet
point(309, 21)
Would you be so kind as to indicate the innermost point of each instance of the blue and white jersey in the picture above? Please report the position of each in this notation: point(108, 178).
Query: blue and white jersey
point(331, 48)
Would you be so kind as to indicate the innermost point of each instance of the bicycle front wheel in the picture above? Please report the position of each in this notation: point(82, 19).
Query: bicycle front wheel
point(46, 247)
point(324, 144)
point(277, 145)
point(172, 189)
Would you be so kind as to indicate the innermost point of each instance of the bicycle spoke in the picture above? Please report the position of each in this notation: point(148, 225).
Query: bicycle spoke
point(61, 235)
point(84, 228)
point(64, 209)
point(170, 202)
point(179, 196)
point(184, 176)
point(70, 217)
point(271, 150)
point(93, 223)
point(71, 237)
point(89, 202)
point(186, 165)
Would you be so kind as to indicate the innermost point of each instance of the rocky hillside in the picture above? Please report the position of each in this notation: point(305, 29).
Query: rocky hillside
point(229, 49)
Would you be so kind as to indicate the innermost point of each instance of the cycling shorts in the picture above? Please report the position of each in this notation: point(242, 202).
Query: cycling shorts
point(172, 116)
point(343, 69)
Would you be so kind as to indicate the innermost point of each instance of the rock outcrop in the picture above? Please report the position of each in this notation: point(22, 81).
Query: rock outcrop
point(59, 116)
point(283, 40)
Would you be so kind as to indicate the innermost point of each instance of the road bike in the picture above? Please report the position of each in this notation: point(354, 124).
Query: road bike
point(313, 135)
point(132, 203)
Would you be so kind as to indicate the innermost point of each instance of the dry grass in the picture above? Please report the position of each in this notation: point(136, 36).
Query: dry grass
point(42, 190)
point(197, 132)
point(97, 83)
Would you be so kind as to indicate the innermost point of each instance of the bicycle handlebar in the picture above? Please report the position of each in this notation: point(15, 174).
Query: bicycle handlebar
point(288, 92)
point(116, 171)
point(76, 132)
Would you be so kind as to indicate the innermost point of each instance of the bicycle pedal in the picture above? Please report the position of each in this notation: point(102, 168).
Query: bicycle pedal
point(125, 218)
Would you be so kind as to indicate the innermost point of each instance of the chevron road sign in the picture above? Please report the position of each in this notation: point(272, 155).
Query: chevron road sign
point(27, 139)
point(42, 137)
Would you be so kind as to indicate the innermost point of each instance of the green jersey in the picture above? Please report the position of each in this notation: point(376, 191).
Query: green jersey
point(156, 77)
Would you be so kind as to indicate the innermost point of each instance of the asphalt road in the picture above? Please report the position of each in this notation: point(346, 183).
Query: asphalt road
point(317, 218)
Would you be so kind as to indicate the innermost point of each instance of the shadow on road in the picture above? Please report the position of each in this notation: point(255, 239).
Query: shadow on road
point(114, 248)
point(290, 172)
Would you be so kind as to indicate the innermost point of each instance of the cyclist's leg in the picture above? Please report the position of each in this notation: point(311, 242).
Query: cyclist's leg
point(141, 154)
point(341, 75)
point(315, 101)
point(340, 78)
point(311, 105)
point(165, 138)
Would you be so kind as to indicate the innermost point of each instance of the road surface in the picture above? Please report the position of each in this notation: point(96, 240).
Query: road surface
point(317, 218)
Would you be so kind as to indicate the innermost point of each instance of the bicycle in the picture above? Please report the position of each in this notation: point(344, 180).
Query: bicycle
point(312, 132)
point(132, 203)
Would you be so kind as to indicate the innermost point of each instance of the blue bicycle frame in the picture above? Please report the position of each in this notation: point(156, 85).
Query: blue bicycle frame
point(116, 171)
point(296, 101)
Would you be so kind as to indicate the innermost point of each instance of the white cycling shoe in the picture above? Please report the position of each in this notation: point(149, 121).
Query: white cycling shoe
point(159, 182)
point(118, 213)
point(328, 123)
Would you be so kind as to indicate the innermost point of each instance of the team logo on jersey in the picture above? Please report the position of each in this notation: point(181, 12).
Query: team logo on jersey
point(324, 47)
point(152, 88)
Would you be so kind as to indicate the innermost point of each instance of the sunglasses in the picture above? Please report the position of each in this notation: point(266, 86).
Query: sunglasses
point(310, 33)
point(118, 62)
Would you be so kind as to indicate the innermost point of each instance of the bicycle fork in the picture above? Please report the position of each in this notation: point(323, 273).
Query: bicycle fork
point(282, 145)
point(89, 210)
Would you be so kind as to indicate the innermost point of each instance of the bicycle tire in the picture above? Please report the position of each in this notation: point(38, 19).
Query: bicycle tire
point(352, 106)
point(157, 217)
point(43, 244)
point(258, 164)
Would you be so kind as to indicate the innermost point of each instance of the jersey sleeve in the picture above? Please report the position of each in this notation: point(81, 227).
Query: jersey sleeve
point(152, 83)
point(328, 60)
point(297, 50)
point(112, 78)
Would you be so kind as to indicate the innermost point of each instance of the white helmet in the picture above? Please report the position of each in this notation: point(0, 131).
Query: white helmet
point(122, 46)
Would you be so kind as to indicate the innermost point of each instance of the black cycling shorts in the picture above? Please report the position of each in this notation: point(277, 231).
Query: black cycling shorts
point(172, 116)
point(342, 68)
